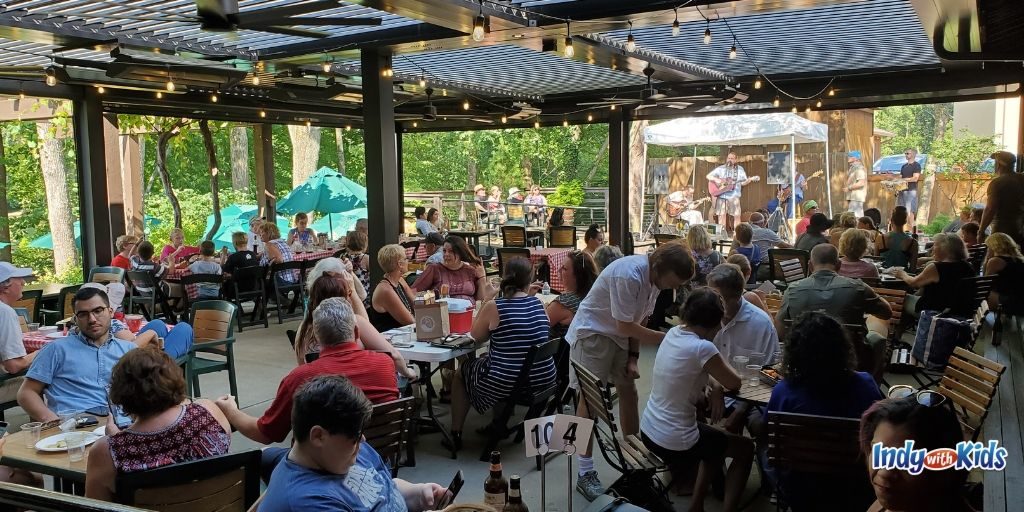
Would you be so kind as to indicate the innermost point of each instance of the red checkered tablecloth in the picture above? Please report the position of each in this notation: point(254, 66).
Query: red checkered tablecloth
point(315, 255)
point(421, 253)
point(35, 340)
point(554, 257)
point(176, 274)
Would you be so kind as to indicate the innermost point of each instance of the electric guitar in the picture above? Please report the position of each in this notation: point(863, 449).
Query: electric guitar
point(786, 191)
point(727, 185)
point(674, 208)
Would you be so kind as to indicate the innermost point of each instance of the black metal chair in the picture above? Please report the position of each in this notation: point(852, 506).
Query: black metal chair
point(197, 279)
point(64, 309)
point(533, 398)
point(505, 254)
point(283, 289)
point(775, 258)
point(249, 284)
point(562, 236)
point(224, 482)
point(144, 290)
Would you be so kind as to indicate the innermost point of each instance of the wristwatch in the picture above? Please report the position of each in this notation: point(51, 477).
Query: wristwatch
point(634, 355)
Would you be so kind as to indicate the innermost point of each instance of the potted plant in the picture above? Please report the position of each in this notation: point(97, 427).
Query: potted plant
point(567, 194)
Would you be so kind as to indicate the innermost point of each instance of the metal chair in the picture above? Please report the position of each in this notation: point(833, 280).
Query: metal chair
point(224, 482)
point(664, 238)
point(513, 236)
point(106, 275)
point(213, 327)
point(282, 290)
point(562, 237)
point(505, 254)
point(32, 301)
point(976, 256)
point(144, 290)
point(533, 398)
point(64, 309)
point(248, 284)
point(389, 431)
point(776, 256)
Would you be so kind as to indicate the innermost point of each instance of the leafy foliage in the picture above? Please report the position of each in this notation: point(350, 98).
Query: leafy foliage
point(937, 224)
point(569, 193)
point(914, 126)
point(960, 157)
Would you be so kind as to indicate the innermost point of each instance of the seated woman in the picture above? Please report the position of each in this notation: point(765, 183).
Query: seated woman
point(704, 254)
point(743, 263)
point(356, 243)
point(177, 254)
point(461, 270)
point(435, 220)
point(931, 426)
point(338, 266)
point(897, 248)
point(275, 250)
point(301, 233)
point(871, 231)
point(818, 365)
point(939, 282)
point(513, 323)
point(1007, 263)
point(593, 238)
point(423, 226)
point(149, 387)
point(743, 244)
point(391, 304)
point(686, 359)
point(853, 244)
point(847, 220)
point(577, 273)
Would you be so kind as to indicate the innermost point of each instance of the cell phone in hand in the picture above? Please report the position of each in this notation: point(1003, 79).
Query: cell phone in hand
point(451, 493)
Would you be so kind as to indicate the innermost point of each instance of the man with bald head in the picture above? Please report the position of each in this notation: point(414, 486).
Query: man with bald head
point(844, 298)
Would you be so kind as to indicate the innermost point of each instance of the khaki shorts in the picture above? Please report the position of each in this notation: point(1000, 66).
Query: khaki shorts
point(602, 356)
point(729, 206)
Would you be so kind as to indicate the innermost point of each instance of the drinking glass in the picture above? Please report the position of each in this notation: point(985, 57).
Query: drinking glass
point(31, 431)
point(739, 363)
point(753, 372)
point(76, 445)
point(68, 420)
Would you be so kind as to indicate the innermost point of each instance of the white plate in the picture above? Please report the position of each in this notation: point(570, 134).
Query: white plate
point(100, 431)
point(55, 335)
point(49, 444)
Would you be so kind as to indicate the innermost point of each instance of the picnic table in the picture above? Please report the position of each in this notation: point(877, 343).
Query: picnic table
point(755, 394)
point(56, 464)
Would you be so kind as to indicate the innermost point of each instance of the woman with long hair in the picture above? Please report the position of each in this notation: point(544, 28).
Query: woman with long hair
point(1006, 262)
point(593, 238)
point(939, 281)
point(704, 254)
point(577, 273)
point(461, 270)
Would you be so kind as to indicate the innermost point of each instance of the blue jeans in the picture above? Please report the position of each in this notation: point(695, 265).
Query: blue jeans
point(177, 341)
point(774, 203)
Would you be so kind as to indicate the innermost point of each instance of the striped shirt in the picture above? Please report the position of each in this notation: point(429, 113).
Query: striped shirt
point(290, 276)
point(522, 323)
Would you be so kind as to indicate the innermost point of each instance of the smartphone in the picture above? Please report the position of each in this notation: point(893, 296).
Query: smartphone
point(3, 427)
point(453, 491)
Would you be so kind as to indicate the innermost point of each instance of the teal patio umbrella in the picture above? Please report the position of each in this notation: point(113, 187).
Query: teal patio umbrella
point(338, 224)
point(236, 218)
point(46, 241)
point(326, 191)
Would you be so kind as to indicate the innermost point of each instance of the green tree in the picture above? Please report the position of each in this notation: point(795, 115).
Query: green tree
point(960, 157)
point(914, 126)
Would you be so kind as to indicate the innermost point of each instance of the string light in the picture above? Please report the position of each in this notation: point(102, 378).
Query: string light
point(630, 40)
point(818, 104)
point(757, 83)
point(565, 123)
point(478, 24)
point(348, 128)
point(808, 109)
point(590, 117)
point(255, 79)
point(423, 82)
point(170, 84)
point(675, 23)
point(415, 124)
point(308, 123)
point(326, 66)
point(51, 78)
point(832, 91)
point(732, 50)
point(776, 102)
point(21, 95)
point(213, 97)
point(569, 50)
point(263, 113)
point(100, 89)
point(159, 95)
point(611, 107)
point(793, 109)
point(504, 119)
point(465, 105)
point(536, 124)
point(707, 33)
point(444, 92)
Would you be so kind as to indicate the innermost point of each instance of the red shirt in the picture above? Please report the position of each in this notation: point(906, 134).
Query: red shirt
point(801, 226)
point(121, 261)
point(372, 372)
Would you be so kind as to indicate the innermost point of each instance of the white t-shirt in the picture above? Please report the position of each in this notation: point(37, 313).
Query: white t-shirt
point(751, 331)
point(11, 344)
point(623, 292)
point(678, 379)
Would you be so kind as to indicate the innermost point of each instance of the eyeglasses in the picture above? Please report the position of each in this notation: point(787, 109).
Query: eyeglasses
point(96, 312)
point(925, 397)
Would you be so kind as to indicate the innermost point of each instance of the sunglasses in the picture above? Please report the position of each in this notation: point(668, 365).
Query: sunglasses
point(925, 397)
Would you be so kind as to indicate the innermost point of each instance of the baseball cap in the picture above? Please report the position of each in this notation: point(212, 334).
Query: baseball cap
point(478, 187)
point(8, 271)
point(513, 191)
point(434, 238)
point(810, 204)
point(854, 154)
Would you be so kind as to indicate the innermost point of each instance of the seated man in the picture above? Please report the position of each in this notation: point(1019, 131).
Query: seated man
point(434, 247)
point(330, 466)
point(844, 298)
point(334, 326)
point(74, 372)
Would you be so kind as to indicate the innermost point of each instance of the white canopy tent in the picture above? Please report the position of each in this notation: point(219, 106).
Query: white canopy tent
point(745, 130)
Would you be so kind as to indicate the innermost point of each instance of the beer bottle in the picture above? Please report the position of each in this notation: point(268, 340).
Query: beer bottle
point(515, 497)
point(495, 486)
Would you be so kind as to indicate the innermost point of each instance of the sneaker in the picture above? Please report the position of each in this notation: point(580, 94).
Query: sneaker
point(589, 485)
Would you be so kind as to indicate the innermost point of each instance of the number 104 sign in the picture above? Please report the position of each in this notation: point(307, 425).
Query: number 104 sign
point(553, 433)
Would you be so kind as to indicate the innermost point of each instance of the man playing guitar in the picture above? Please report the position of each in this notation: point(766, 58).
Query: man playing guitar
point(680, 206)
point(726, 184)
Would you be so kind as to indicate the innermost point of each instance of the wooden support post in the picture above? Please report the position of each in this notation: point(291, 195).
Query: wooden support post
point(115, 185)
point(266, 197)
point(383, 188)
point(618, 176)
point(97, 242)
point(132, 178)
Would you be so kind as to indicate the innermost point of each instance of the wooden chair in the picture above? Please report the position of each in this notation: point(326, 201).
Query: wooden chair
point(976, 256)
point(773, 303)
point(144, 292)
point(213, 326)
point(777, 256)
point(4, 378)
point(896, 299)
point(822, 456)
point(414, 245)
point(978, 289)
point(505, 254)
point(106, 275)
point(32, 301)
point(282, 291)
point(515, 214)
point(21, 497)
point(249, 284)
point(970, 381)
point(389, 431)
point(791, 271)
point(663, 238)
point(195, 279)
point(223, 483)
point(513, 236)
point(534, 399)
point(639, 466)
point(562, 237)
point(64, 308)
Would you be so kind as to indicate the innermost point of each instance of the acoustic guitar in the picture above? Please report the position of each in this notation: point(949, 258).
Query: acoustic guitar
point(784, 193)
point(674, 208)
point(727, 185)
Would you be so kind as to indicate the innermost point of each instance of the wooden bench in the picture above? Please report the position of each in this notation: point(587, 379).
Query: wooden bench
point(970, 381)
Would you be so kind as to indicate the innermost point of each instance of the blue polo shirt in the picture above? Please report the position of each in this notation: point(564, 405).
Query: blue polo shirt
point(76, 372)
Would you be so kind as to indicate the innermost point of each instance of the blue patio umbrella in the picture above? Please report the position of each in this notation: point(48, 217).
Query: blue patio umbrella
point(326, 191)
point(338, 224)
point(46, 241)
point(236, 218)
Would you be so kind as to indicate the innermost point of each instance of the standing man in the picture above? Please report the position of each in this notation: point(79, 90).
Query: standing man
point(782, 198)
point(856, 188)
point(1004, 210)
point(731, 177)
point(609, 326)
point(910, 173)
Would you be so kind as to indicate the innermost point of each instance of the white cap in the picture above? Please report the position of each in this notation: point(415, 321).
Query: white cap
point(8, 271)
point(513, 191)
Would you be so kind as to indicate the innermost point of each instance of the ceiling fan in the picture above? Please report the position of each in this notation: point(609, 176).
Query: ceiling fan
point(429, 113)
point(649, 97)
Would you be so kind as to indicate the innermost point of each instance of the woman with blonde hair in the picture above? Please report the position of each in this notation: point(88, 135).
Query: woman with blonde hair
point(704, 254)
point(391, 306)
point(852, 245)
point(1006, 262)
point(847, 220)
point(939, 282)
